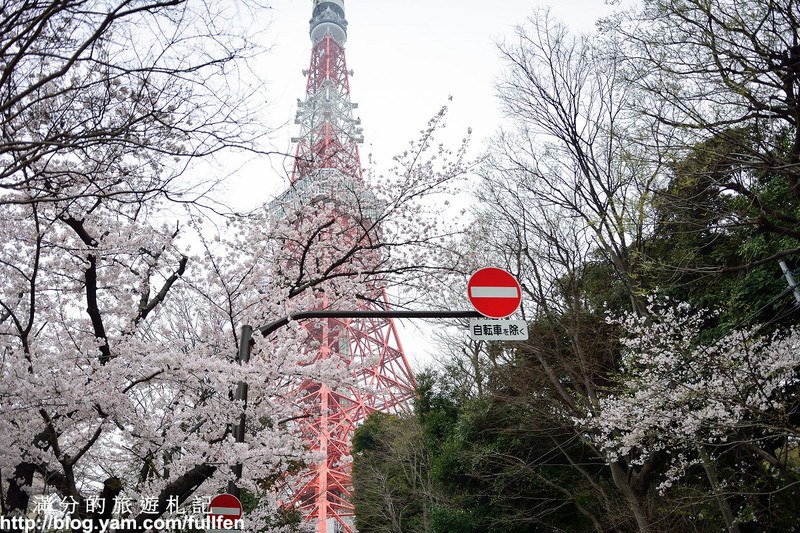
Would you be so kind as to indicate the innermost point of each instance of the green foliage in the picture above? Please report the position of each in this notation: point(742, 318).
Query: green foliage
point(390, 475)
point(496, 469)
point(708, 245)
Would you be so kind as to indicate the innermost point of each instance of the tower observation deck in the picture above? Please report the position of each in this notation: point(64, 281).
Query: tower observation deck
point(326, 167)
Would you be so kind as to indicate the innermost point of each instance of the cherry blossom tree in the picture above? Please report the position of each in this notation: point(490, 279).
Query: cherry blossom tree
point(102, 107)
point(119, 335)
point(698, 401)
point(120, 341)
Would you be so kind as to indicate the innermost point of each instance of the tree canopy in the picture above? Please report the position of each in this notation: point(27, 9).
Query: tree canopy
point(644, 195)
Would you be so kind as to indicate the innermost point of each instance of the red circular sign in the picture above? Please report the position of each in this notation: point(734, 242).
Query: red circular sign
point(494, 292)
point(225, 507)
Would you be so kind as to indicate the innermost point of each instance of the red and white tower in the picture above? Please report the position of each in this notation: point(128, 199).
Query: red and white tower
point(327, 154)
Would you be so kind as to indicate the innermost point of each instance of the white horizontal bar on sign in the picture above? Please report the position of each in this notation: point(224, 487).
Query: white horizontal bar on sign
point(493, 292)
point(227, 511)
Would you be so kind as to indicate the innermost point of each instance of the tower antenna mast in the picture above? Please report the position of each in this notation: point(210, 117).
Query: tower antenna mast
point(327, 158)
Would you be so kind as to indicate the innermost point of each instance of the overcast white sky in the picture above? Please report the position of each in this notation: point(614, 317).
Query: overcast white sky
point(408, 57)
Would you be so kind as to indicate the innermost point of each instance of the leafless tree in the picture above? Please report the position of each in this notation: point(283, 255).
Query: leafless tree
point(571, 152)
point(114, 100)
point(567, 191)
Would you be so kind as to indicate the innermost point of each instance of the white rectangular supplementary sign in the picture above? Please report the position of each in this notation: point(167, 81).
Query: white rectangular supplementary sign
point(493, 292)
point(487, 329)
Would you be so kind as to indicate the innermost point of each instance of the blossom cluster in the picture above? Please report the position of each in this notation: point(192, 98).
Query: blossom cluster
point(677, 392)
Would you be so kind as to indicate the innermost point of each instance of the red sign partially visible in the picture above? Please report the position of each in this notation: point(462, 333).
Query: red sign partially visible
point(225, 507)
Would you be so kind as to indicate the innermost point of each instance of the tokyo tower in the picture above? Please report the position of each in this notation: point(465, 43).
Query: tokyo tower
point(327, 157)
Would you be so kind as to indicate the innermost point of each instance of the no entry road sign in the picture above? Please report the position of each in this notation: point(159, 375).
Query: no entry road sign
point(494, 292)
point(225, 509)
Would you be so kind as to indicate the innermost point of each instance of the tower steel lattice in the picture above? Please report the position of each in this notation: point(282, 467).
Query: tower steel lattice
point(327, 153)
